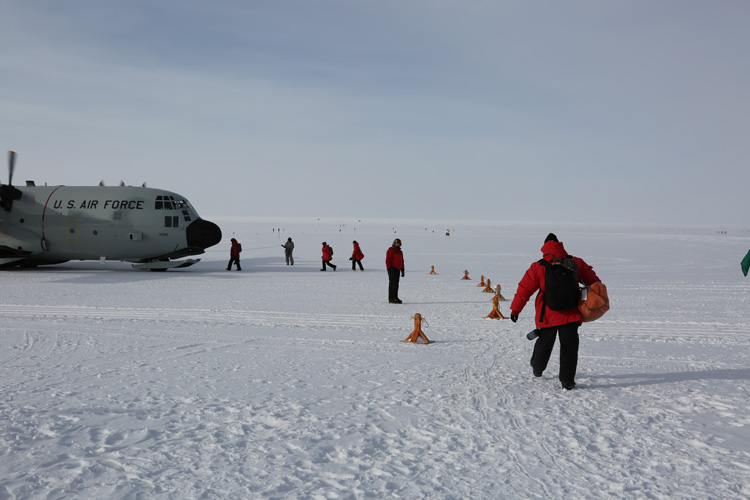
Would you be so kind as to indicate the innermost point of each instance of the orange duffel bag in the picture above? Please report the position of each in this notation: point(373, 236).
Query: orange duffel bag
point(594, 302)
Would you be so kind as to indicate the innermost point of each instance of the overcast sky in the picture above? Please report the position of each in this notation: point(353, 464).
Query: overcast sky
point(608, 111)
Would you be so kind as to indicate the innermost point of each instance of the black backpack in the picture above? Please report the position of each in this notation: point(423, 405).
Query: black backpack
point(561, 291)
point(330, 250)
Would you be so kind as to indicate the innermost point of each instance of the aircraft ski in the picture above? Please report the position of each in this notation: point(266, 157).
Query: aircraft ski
point(163, 265)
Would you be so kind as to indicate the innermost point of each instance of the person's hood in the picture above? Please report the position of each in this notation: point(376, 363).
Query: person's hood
point(553, 249)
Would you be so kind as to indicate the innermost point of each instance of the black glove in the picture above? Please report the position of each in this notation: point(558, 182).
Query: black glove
point(514, 318)
point(403, 273)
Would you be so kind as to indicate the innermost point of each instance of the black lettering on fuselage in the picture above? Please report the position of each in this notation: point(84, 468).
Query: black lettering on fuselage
point(123, 204)
point(94, 204)
point(89, 204)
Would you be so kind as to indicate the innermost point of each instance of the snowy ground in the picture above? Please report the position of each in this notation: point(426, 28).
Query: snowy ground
point(285, 382)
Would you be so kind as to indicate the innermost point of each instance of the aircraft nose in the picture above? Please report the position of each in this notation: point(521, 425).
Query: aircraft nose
point(203, 234)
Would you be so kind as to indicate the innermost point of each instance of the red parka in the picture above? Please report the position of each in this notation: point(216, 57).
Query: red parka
point(394, 258)
point(234, 252)
point(533, 281)
point(326, 253)
point(357, 253)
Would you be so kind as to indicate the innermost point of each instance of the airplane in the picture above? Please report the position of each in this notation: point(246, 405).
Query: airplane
point(42, 225)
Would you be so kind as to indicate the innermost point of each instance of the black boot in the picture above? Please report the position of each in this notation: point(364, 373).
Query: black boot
point(536, 373)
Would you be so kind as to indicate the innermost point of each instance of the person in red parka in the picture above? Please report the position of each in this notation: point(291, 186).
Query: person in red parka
point(234, 255)
point(357, 256)
point(327, 256)
point(394, 263)
point(552, 323)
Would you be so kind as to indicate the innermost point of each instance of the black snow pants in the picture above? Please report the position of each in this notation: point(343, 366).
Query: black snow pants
point(568, 350)
point(394, 275)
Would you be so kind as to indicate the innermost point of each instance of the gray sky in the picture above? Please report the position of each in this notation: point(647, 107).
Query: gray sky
point(609, 111)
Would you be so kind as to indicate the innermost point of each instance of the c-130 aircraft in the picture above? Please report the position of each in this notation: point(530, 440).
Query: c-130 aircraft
point(41, 225)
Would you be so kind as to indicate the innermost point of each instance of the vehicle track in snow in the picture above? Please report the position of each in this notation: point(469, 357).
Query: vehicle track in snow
point(212, 316)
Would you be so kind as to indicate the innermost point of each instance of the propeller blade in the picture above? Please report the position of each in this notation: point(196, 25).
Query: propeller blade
point(11, 166)
point(7, 192)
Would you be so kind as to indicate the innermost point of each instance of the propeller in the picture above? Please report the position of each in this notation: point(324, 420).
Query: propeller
point(8, 194)
point(11, 166)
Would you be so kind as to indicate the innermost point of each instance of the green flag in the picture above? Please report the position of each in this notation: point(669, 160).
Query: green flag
point(746, 263)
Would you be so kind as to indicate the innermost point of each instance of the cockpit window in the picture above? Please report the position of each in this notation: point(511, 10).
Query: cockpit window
point(166, 202)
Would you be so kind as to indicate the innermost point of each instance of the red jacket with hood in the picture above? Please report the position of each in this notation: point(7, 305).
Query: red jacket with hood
point(234, 252)
point(533, 281)
point(357, 253)
point(326, 253)
point(394, 258)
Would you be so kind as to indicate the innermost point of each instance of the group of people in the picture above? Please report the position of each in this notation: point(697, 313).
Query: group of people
point(356, 257)
point(394, 262)
point(551, 321)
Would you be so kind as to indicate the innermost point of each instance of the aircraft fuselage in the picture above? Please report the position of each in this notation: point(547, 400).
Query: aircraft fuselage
point(51, 224)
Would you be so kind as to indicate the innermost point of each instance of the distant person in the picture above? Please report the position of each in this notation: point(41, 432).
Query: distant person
point(394, 263)
point(327, 256)
point(234, 255)
point(357, 256)
point(288, 249)
point(550, 319)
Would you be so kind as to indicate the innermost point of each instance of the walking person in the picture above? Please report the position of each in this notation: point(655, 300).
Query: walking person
point(288, 249)
point(394, 263)
point(327, 256)
point(554, 316)
point(234, 255)
point(357, 256)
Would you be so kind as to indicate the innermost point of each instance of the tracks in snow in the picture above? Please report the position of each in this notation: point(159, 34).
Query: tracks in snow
point(212, 316)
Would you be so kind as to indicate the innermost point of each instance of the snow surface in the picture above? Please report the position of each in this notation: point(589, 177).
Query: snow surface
point(286, 382)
